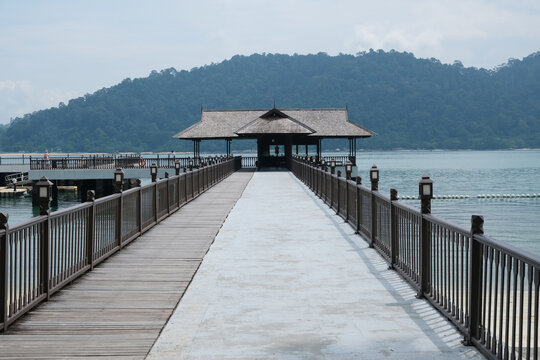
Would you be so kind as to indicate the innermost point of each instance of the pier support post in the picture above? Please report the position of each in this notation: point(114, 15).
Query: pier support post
point(3, 270)
point(477, 228)
point(425, 189)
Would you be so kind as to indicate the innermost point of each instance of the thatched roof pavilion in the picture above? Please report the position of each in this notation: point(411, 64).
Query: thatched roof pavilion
point(274, 128)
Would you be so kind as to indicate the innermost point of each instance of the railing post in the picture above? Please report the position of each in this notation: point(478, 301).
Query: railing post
point(90, 235)
point(178, 190)
point(3, 269)
point(374, 177)
point(477, 228)
point(119, 211)
point(155, 203)
point(425, 189)
point(45, 196)
point(338, 192)
point(358, 204)
point(192, 184)
point(394, 246)
point(167, 193)
point(347, 198)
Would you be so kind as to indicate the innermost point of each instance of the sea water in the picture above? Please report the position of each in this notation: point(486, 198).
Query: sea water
point(466, 173)
point(469, 173)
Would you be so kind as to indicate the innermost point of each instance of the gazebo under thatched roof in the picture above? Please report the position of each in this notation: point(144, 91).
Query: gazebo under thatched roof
point(275, 127)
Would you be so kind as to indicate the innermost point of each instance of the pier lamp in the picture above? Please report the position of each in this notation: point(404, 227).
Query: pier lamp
point(374, 177)
point(118, 180)
point(190, 163)
point(153, 172)
point(425, 189)
point(177, 167)
point(44, 188)
point(323, 164)
point(348, 169)
point(332, 166)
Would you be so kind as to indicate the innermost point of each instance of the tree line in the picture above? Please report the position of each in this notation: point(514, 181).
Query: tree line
point(411, 103)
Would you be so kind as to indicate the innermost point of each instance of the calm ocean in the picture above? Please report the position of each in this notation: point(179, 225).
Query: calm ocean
point(514, 220)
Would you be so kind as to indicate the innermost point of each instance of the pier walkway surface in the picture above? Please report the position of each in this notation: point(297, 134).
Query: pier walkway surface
point(287, 279)
point(118, 309)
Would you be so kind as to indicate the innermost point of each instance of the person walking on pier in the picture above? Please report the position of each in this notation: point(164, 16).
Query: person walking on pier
point(46, 158)
point(14, 181)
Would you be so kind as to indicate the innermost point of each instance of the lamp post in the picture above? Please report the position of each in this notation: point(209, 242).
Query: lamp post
point(177, 167)
point(425, 189)
point(118, 180)
point(374, 177)
point(190, 162)
point(332, 166)
point(153, 172)
point(44, 187)
point(323, 165)
point(348, 170)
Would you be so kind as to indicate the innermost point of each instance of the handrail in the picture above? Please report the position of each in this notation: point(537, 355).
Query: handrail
point(42, 255)
point(487, 288)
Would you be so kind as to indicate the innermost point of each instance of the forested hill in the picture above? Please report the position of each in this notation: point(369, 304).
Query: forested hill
point(411, 103)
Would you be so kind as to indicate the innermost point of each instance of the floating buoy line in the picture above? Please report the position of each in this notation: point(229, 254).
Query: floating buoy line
point(480, 196)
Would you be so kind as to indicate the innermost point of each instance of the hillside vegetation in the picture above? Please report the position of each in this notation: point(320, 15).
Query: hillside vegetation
point(411, 103)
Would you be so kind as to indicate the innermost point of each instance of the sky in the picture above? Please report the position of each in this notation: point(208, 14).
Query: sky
point(55, 50)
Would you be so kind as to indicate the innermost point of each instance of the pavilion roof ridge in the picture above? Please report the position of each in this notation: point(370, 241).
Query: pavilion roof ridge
point(282, 115)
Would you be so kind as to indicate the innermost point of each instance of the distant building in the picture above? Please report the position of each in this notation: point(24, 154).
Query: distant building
point(277, 130)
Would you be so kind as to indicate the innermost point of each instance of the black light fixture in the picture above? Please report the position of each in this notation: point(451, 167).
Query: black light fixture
point(153, 172)
point(374, 177)
point(190, 162)
point(44, 194)
point(425, 189)
point(118, 180)
point(332, 166)
point(348, 169)
point(177, 167)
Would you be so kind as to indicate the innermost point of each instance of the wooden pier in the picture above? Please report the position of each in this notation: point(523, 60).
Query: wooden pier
point(118, 309)
point(287, 275)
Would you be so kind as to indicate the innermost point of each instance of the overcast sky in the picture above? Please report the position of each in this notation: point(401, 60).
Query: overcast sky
point(52, 51)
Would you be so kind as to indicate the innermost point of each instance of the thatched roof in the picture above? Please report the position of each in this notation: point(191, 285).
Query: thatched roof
point(274, 122)
point(219, 124)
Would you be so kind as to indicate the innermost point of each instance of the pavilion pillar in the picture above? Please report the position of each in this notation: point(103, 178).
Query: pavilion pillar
point(352, 150)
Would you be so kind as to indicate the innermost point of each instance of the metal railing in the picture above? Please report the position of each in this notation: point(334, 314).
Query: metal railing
point(488, 289)
point(109, 162)
point(42, 255)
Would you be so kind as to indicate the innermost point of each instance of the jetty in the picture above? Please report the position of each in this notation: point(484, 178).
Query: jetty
point(293, 258)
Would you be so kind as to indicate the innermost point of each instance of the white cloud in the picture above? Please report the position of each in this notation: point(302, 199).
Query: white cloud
point(21, 97)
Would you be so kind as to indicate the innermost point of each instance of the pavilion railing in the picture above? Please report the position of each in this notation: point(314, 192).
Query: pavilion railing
point(44, 254)
point(488, 289)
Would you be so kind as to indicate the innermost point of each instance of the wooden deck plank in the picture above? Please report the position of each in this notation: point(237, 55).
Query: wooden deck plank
point(118, 309)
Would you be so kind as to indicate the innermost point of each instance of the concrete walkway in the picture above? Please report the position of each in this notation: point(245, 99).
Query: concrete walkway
point(287, 279)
